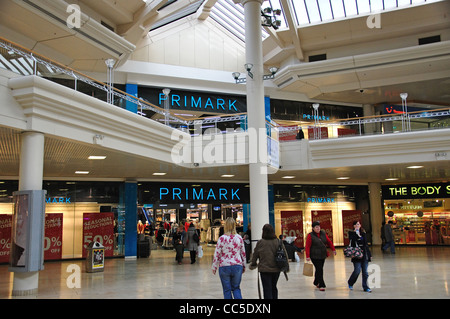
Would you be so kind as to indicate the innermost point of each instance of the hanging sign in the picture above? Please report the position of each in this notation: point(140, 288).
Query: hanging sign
point(324, 217)
point(292, 226)
point(99, 227)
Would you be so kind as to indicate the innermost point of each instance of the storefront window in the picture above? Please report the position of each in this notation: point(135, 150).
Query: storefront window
point(420, 213)
point(336, 207)
point(76, 213)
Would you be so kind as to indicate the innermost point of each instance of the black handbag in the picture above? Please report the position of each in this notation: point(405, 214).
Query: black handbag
point(353, 252)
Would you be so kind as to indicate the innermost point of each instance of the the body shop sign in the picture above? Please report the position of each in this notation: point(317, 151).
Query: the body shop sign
point(416, 191)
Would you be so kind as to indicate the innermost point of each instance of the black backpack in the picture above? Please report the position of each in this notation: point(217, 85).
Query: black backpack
point(281, 258)
point(195, 237)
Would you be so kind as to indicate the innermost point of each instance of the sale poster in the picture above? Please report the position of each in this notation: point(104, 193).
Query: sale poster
point(292, 226)
point(5, 237)
point(53, 236)
point(324, 217)
point(348, 217)
point(99, 227)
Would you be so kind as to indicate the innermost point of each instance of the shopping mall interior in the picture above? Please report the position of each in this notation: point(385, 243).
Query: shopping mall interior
point(122, 120)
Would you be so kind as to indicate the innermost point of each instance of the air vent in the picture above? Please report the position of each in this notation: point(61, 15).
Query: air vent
point(428, 40)
point(317, 57)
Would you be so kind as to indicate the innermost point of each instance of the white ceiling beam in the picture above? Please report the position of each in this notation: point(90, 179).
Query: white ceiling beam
point(288, 10)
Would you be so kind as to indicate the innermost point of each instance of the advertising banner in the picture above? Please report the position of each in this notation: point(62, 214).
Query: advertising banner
point(348, 217)
point(289, 133)
point(292, 226)
point(53, 236)
point(324, 217)
point(5, 237)
point(99, 227)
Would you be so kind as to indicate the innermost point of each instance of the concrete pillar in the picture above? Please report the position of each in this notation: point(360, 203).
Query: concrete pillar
point(259, 200)
point(30, 178)
point(376, 211)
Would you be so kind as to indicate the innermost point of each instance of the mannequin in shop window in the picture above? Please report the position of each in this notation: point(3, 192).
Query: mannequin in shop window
point(140, 227)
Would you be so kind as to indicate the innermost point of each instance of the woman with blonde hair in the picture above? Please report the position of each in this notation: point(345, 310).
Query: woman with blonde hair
point(229, 257)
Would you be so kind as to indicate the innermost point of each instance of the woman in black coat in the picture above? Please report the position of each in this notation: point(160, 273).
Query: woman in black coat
point(358, 238)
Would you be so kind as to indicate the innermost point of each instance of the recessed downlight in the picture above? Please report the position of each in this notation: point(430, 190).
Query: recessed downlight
point(227, 175)
point(391, 179)
point(343, 177)
point(288, 176)
point(82, 172)
point(415, 166)
point(159, 174)
point(96, 157)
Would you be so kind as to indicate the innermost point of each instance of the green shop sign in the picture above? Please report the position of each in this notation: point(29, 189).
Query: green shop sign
point(416, 191)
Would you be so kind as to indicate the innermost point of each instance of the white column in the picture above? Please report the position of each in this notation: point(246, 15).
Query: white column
point(30, 178)
point(259, 198)
point(376, 211)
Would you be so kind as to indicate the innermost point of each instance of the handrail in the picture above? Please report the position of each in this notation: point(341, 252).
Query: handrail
point(54, 65)
point(36, 57)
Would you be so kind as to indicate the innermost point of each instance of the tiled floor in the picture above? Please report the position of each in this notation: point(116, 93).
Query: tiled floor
point(414, 272)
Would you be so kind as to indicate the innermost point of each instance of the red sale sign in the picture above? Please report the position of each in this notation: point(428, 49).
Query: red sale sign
point(53, 236)
point(348, 217)
point(5, 237)
point(99, 227)
point(292, 226)
point(324, 217)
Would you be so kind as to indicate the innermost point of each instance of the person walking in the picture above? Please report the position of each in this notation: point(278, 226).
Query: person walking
point(190, 242)
point(177, 238)
point(389, 236)
point(265, 250)
point(358, 238)
point(229, 258)
point(316, 251)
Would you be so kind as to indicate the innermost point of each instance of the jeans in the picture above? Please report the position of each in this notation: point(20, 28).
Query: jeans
point(391, 244)
point(269, 282)
point(358, 266)
point(230, 276)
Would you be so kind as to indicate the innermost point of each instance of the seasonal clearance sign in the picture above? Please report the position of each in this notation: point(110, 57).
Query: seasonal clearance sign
point(99, 227)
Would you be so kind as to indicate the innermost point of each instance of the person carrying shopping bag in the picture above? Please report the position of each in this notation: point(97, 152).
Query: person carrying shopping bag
point(358, 238)
point(316, 251)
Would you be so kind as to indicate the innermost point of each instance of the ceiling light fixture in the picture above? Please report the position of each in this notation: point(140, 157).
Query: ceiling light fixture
point(288, 176)
point(269, 17)
point(391, 179)
point(227, 175)
point(248, 68)
point(415, 166)
point(82, 172)
point(344, 177)
point(96, 157)
point(159, 174)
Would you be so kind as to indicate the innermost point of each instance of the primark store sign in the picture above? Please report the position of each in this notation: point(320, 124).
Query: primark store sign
point(416, 191)
point(195, 101)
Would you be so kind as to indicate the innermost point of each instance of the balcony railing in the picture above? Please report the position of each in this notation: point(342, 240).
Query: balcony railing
point(20, 60)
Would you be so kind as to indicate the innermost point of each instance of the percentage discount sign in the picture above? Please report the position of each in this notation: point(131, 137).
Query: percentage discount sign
point(53, 235)
point(5, 243)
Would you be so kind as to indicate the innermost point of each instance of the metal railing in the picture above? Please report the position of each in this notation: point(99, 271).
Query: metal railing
point(20, 60)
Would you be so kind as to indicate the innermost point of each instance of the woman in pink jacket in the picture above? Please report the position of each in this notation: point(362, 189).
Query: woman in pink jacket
point(229, 257)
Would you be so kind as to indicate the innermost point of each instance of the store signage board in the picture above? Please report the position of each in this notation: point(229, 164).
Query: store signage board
point(209, 102)
point(188, 193)
point(416, 191)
